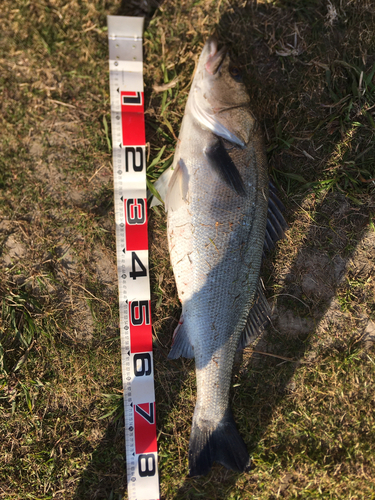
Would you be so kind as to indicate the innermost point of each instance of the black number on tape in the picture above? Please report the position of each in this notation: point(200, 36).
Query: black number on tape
point(139, 311)
point(146, 465)
point(147, 416)
point(132, 99)
point(144, 367)
point(131, 157)
point(135, 211)
point(134, 273)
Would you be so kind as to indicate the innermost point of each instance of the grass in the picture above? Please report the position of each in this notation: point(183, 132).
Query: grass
point(307, 415)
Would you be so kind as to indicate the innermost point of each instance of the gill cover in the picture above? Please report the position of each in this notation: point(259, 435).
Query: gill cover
point(219, 100)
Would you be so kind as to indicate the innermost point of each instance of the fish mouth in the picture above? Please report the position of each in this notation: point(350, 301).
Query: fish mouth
point(215, 57)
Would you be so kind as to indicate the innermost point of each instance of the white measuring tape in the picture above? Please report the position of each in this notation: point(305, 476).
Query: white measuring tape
point(129, 172)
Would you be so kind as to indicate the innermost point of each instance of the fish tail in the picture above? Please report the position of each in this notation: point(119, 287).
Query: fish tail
point(211, 442)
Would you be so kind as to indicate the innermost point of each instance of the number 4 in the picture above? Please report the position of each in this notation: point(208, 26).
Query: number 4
point(134, 273)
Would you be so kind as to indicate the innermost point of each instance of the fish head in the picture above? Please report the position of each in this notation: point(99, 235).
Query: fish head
point(219, 99)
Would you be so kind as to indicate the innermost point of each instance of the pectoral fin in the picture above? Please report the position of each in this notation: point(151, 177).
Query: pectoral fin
point(223, 165)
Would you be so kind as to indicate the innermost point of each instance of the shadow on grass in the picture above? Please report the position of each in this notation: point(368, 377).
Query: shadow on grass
point(138, 8)
point(105, 477)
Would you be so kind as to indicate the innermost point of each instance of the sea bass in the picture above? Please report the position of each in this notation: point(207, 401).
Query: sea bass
point(217, 199)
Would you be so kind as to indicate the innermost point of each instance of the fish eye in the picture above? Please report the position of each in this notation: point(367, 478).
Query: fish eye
point(235, 73)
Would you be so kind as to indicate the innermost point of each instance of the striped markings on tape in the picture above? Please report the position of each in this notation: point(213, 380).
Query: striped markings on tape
point(129, 172)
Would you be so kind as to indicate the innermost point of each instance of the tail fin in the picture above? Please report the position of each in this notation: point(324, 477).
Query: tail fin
point(211, 442)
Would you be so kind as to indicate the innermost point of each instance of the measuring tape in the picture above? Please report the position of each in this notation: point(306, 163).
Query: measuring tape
point(129, 173)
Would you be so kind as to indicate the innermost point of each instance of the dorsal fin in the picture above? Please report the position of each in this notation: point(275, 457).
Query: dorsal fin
point(276, 224)
point(257, 320)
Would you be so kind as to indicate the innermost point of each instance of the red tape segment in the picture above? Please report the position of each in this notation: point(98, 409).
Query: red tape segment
point(140, 326)
point(145, 434)
point(132, 118)
point(136, 235)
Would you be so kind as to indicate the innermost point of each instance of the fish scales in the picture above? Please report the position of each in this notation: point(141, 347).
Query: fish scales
point(216, 244)
point(216, 197)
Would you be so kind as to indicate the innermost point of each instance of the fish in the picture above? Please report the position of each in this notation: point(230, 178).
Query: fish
point(222, 216)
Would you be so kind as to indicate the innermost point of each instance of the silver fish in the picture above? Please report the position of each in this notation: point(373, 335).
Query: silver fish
point(216, 196)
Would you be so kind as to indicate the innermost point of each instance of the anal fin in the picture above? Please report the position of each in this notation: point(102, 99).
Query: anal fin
point(181, 345)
